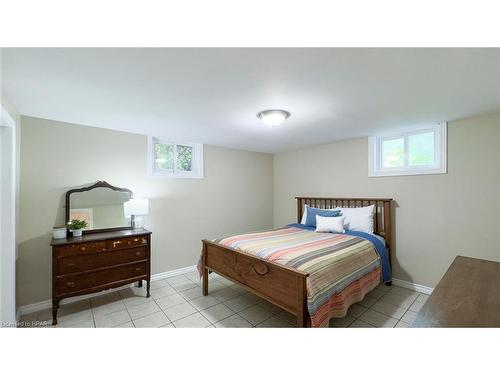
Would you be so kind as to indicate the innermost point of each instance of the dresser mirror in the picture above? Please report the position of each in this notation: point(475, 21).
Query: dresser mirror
point(100, 205)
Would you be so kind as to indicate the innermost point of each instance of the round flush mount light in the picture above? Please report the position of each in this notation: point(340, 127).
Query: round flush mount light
point(273, 117)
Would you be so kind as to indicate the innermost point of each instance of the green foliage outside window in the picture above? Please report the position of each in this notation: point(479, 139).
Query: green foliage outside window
point(421, 149)
point(164, 157)
point(393, 153)
point(184, 158)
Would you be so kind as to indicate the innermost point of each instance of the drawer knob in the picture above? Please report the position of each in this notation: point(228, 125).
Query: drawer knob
point(138, 269)
point(70, 284)
point(116, 243)
point(262, 271)
point(138, 254)
point(136, 239)
point(83, 248)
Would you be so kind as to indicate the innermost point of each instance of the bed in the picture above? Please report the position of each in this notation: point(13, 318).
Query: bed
point(290, 267)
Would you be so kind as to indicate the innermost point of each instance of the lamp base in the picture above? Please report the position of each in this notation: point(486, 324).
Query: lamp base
point(138, 222)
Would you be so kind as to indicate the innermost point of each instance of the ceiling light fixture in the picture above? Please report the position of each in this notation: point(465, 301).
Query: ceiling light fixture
point(273, 117)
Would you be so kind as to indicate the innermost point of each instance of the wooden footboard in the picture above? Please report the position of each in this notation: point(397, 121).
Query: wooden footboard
point(280, 285)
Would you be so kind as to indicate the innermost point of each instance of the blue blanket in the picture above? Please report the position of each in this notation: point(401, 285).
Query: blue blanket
point(379, 247)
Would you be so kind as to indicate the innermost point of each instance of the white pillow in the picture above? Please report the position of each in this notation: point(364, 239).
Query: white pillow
point(330, 224)
point(304, 214)
point(359, 218)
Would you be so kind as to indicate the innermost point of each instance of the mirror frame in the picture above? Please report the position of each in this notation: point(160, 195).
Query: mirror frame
point(98, 184)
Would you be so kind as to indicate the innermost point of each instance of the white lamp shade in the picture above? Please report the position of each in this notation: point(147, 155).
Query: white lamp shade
point(139, 206)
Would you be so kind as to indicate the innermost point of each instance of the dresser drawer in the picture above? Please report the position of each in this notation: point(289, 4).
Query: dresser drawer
point(127, 242)
point(80, 263)
point(75, 283)
point(81, 249)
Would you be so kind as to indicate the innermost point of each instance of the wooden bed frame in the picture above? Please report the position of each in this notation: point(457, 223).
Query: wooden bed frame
point(281, 285)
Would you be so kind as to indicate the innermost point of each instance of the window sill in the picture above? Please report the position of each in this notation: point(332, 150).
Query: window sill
point(175, 176)
point(416, 172)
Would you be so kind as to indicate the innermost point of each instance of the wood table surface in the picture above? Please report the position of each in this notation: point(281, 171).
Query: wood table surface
point(468, 295)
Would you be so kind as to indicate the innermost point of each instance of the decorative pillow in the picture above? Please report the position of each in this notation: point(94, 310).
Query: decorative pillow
point(359, 218)
point(334, 224)
point(313, 212)
point(304, 214)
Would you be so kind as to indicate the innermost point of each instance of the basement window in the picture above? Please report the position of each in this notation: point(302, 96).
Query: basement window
point(415, 152)
point(175, 159)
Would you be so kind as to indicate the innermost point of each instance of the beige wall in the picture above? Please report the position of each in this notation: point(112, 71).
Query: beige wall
point(234, 196)
point(436, 216)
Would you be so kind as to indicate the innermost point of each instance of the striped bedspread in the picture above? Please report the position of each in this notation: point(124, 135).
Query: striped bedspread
point(342, 268)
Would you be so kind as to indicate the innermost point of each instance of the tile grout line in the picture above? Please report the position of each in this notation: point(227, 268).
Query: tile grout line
point(126, 308)
point(234, 312)
point(152, 299)
point(398, 320)
point(403, 314)
point(178, 292)
point(370, 308)
point(220, 302)
point(92, 311)
point(257, 304)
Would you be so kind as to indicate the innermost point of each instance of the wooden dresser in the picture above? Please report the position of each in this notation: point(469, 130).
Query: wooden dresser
point(468, 295)
point(99, 261)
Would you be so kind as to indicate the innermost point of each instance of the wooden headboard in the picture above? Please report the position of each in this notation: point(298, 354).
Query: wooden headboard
point(382, 220)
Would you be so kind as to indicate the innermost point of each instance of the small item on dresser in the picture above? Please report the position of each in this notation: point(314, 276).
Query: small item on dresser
point(59, 233)
point(76, 227)
point(136, 209)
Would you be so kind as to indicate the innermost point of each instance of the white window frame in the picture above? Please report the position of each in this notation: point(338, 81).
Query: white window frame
point(375, 166)
point(197, 162)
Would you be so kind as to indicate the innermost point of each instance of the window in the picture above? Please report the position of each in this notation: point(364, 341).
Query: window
point(175, 159)
point(420, 151)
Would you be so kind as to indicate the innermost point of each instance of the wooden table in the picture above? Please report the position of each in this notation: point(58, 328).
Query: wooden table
point(468, 295)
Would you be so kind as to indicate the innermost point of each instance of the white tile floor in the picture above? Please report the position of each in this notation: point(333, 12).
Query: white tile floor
point(178, 302)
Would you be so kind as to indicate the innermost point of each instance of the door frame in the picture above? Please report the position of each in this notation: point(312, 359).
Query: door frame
point(7, 219)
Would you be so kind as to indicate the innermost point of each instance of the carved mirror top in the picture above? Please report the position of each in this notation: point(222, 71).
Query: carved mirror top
point(100, 205)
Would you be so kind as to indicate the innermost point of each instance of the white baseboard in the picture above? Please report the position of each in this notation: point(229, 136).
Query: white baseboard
point(47, 304)
point(412, 286)
point(176, 272)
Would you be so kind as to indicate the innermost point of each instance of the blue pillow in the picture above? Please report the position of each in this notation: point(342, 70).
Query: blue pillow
point(312, 212)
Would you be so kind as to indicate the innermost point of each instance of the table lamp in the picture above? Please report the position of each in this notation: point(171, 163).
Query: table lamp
point(136, 209)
